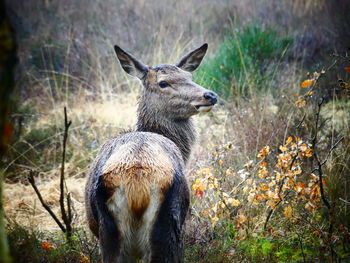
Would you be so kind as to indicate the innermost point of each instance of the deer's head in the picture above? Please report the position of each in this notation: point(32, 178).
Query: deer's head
point(169, 89)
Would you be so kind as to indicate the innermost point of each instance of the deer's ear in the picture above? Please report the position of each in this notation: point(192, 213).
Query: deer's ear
point(193, 59)
point(130, 64)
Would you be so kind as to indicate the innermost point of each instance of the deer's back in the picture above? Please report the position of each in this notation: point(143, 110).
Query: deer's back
point(132, 174)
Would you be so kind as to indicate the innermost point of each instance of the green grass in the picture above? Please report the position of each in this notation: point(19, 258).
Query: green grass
point(244, 62)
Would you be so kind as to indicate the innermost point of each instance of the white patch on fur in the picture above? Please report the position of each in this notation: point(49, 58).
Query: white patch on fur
point(204, 108)
point(135, 233)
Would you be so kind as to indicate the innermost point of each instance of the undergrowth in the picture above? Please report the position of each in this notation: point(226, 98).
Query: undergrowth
point(28, 245)
point(284, 204)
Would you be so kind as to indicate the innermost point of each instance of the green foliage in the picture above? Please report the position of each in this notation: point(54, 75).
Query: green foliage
point(23, 243)
point(40, 135)
point(31, 246)
point(231, 231)
point(257, 248)
point(266, 247)
point(243, 61)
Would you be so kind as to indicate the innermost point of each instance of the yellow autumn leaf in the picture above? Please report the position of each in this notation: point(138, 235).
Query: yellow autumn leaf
point(297, 172)
point(300, 186)
point(262, 172)
point(283, 148)
point(289, 140)
point(245, 189)
point(303, 147)
point(229, 171)
point(308, 154)
point(263, 152)
point(84, 259)
point(300, 103)
point(288, 211)
point(215, 219)
point(271, 203)
point(251, 197)
point(264, 187)
point(272, 183)
point(204, 171)
point(241, 219)
point(306, 83)
point(263, 164)
point(199, 185)
point(278, 176)
point(46, 245)
point(233, 202)
point(216, 184)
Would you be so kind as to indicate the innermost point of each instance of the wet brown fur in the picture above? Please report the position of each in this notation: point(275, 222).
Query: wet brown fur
point(136, 172)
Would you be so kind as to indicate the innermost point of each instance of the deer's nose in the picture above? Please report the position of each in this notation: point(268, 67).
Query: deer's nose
point(211, 97)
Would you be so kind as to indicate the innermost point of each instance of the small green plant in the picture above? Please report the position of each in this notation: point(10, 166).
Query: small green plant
point(243, 61)
point(257, 248)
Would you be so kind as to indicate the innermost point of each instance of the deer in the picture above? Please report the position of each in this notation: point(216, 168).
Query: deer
point(137, 196)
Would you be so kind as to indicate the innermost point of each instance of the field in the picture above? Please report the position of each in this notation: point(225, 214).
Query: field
point(270, 172)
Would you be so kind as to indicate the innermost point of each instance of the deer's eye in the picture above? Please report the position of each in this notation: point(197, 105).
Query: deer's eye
point(163, 84)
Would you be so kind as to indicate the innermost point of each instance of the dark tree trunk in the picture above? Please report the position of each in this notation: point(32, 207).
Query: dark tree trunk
point(7, 64)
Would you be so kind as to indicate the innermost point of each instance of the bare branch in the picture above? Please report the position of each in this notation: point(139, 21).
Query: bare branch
point(345, 201)
point(65, 217)
point(47, 208)
point(69, 207)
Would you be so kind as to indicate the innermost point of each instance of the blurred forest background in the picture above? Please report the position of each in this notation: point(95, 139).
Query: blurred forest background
point(270, 175)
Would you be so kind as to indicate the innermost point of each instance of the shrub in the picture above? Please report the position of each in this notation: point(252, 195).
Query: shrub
point(243, 61)
point(283, 201)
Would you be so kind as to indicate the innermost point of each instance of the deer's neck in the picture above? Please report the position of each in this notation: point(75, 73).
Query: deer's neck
point(181, 132)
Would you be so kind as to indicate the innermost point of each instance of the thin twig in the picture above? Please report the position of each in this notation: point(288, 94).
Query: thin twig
point(69, 206)
point(301, 122)
point(329, 153)
point(301, 246)
point(269, 214)
point(47, 208)
point(314, 140)
point(345, 201)
point(331, 150)
point(62, 178)
point(320, 177)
